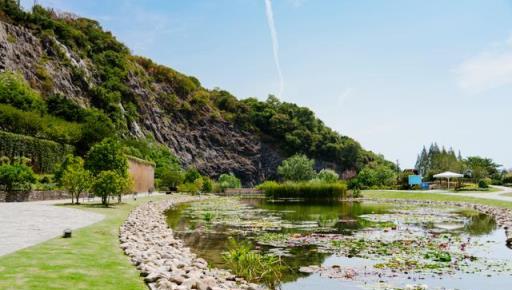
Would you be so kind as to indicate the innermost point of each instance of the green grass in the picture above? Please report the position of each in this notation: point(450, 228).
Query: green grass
point(91, 259)
point(434, 197)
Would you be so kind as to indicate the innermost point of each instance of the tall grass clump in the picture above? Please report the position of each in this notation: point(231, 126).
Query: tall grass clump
point(253, 266)
point(312, 190)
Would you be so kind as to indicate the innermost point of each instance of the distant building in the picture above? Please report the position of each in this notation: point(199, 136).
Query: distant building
point(143, 174)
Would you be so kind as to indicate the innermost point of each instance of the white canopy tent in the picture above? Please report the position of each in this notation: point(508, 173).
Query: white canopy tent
point(448, 175)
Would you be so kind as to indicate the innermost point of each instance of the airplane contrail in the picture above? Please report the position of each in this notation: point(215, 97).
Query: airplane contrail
point(275, 44)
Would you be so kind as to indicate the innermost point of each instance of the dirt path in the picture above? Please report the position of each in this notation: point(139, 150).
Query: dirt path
point(497, 195)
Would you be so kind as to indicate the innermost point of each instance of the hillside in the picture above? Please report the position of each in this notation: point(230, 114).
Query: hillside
point(83, 85)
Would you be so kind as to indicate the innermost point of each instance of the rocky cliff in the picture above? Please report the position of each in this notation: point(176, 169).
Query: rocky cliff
point(212, 145)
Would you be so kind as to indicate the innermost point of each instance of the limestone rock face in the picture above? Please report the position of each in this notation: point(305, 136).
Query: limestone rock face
point(211, 144)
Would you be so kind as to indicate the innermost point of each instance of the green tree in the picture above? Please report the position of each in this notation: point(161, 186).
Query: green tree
point(171, 177)
point(107, 156)
point(16, 176)
point(69, 160)
point(376, 176)
point(481, 168)
point(96, 127)
point(328, 176)
point(297, 168)
point(76, 180)
point(192, 175)
point(229, 181)
point(109, 183)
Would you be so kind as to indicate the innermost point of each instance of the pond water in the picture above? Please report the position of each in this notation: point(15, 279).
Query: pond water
point(353, 245)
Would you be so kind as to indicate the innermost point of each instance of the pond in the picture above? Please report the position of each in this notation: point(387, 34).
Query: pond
point(353, 245)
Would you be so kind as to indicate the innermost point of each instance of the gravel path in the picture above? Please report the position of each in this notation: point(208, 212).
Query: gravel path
point(496, 195)
point(28, 223)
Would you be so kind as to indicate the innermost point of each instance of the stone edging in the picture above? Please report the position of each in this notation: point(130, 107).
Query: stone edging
point(165, 262)
point(503, 216)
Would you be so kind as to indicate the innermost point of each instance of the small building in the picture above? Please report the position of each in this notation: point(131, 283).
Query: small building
point(143, 174)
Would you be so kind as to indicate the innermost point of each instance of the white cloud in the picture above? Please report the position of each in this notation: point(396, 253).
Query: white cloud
point(489, 69)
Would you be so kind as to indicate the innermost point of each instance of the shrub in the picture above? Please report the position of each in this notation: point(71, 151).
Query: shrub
point(15, 91)
point(16, 176)
point(328, 175)
point(171, 177)
point(376, 176)
point(207, 184)
point(107, 156)
point(229, 181)
point(192, 175)
point(61, 107)
point(191, 187)
point(313, 190)
point(39, 126)
point(484, 183)
point(297, 168)
point(507, 179)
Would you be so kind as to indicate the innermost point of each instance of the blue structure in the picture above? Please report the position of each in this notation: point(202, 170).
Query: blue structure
point(415, 180)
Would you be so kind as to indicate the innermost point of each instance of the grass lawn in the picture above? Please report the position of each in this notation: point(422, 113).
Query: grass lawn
point(434, 196)
point(91, 259)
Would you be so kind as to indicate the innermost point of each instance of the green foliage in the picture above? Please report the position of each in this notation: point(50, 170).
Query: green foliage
point(66, 109)
point(76, 179)
point(191, 187)
point(207, 184)
point(171, 177)
point(109, 183)
point(107, 156)
point(297, 168)
point(96, 127)
point(192, 175)
point(479, 168)
point(328, 176)
point(244, 261)
point(44, 154)
point(15, 91)
point(376, 176)
point(69, 160)
point(39, 126)
point(507, 179)
point(312, 190)
point(484, 183)
point(229, 181)
point(16, 176)
point(436, 160)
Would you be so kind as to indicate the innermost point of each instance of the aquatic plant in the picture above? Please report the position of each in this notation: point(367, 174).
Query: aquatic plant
point(315, 190)
point(208, 216)
point(253, 266)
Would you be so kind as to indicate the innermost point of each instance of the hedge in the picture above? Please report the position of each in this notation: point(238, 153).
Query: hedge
point(44, 154)
point(312, 190)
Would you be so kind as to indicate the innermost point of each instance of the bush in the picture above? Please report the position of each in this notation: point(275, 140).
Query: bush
point(171, 177)
point(297, 168)
point(484, 183)
point(376, 176)
point(191, 187)
point(15, 91)
point(207, 184)
point(229, 181)
point(39, 126)
point(328, 176)
point(507, 179)
point(192, 175)
point(16, 176)
point(313, 190)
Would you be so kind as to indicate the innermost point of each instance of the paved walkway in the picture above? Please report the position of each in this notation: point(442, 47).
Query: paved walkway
point(28, 223)
point(497, 195)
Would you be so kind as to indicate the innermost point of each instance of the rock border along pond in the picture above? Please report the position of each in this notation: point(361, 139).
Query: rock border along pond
point(164, 261)
point(167, 264)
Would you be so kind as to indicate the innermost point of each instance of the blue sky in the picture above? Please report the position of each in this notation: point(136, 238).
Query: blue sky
point(394, 75)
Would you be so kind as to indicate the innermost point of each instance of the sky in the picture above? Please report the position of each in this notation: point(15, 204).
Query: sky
point(394, 75)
